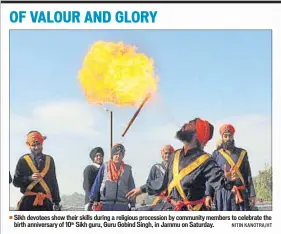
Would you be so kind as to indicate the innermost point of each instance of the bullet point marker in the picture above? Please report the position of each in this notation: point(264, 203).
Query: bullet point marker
point(10, 217)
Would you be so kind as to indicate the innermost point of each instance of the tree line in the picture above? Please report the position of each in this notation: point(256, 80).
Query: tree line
point(263, 184)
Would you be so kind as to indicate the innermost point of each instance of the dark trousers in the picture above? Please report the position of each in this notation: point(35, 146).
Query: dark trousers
point(26, 204)
point(225, 201)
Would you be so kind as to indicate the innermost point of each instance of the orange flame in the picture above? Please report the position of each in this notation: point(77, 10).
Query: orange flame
point(115, 73)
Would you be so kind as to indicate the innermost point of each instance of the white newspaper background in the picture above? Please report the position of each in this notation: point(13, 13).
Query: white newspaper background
point(178, 16)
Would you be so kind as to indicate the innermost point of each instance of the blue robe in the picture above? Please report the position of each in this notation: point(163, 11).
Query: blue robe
point(194, 184)
point(224, 199)
point(157, 173)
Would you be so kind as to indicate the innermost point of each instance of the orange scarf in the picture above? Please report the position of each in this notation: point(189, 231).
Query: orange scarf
point(114, 173)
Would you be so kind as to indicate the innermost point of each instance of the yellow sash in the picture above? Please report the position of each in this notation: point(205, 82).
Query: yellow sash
point(43, 173)
point(232, 164)
point(179, 175)
point(28, 191)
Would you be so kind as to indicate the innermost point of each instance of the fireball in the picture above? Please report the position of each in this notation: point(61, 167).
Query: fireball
point(115, 73)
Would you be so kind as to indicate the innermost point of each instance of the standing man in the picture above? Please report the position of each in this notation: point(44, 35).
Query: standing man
point(157, 173)
point(242, 196)
point(91, 172)
point(35, 175)
point(188, 170)
point(113, 182)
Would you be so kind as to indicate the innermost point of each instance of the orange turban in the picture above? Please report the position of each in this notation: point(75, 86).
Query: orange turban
point(34, 136)
point(227, 128)
point(204, 131)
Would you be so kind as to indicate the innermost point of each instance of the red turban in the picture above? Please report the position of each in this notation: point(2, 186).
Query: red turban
point(227, 128)
point(171, 149)
point(203, 131)
point(34, 136)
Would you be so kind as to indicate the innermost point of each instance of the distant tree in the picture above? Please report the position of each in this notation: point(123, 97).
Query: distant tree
point(74, 199)
point(263, 184)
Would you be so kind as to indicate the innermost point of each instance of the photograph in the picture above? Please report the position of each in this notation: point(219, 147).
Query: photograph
point(140, 120)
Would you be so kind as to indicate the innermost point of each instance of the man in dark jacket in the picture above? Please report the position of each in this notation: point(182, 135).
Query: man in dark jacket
point(35, 175)
point(91, 171)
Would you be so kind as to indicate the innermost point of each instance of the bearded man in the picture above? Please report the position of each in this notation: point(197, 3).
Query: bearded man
point(188, 170)
point(242, 196)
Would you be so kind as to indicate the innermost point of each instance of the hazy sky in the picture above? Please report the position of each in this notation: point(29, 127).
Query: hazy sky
point(223, 76)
